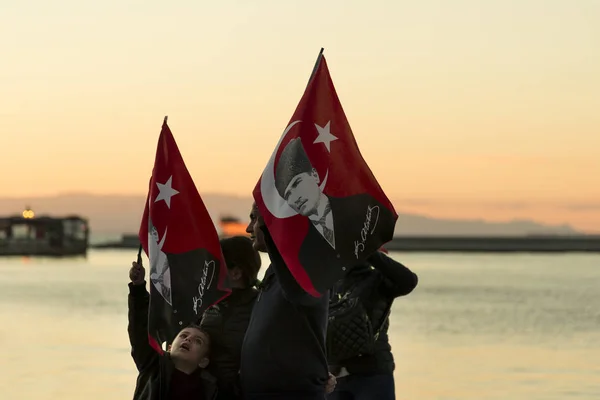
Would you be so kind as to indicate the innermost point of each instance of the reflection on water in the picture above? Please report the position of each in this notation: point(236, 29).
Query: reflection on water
point(477, 327)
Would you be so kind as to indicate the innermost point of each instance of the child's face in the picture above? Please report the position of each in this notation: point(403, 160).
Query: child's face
point(191, 345)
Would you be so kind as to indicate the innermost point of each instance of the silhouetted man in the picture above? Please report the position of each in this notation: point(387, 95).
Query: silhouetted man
point(283, 355)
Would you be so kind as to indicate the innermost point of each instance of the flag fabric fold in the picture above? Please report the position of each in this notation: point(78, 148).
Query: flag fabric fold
point(320, 201)
point(187, 271)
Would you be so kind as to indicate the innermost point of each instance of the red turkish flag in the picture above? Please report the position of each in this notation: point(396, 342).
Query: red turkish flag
point(187, 269)
point(320, 201)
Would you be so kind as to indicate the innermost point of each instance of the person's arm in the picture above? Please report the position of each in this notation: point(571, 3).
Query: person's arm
point(400, 280)
point(292, 291)
point(142, 353)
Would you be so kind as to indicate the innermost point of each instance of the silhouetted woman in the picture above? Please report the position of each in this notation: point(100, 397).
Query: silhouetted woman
point(226, 322)
point(372, 286)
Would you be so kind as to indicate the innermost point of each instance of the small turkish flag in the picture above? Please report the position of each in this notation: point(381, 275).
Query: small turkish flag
point(187, 270)
point(320, 201)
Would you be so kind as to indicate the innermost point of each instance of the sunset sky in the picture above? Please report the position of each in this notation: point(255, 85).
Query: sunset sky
point(464, 109)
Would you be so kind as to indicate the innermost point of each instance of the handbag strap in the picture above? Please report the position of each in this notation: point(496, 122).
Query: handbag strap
point(386, 314)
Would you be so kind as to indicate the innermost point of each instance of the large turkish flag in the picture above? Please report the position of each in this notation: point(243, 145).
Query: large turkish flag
point(320, 201)
point(187, 270)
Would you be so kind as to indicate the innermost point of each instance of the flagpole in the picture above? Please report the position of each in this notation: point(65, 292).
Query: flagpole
point(316, 65)
point(165, 120)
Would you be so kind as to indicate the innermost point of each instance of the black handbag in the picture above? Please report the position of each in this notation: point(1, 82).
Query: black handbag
point(350, 331)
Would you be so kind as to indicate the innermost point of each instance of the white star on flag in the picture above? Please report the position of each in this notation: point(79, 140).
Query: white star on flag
point(325, 136)
point(166, 191)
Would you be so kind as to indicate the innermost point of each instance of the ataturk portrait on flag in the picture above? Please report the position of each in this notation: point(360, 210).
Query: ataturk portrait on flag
point(298, 182)
point(160, 272)
point(319, 199)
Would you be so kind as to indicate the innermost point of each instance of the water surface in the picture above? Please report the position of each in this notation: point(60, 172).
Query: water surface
point(519, 327)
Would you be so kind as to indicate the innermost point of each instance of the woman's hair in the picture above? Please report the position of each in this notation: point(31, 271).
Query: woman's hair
point(239, 252)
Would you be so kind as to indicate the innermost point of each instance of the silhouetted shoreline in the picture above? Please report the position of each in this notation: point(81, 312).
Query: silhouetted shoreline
point(529, 244)
point(479, 244)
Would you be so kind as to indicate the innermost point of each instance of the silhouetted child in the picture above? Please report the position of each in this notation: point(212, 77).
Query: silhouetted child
point(177, 374)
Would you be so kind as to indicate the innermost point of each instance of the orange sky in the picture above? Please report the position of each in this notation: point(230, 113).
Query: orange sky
point(463, 109)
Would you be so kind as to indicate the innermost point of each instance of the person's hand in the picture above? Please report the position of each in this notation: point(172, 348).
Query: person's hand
point(331, 382)
point(137, 274)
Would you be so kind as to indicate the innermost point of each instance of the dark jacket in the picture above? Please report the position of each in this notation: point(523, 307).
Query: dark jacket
point(283, 355)
point(155, 370)
point(384, 279)
point(226, 323)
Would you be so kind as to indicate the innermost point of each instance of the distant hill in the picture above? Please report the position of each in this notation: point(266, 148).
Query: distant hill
point(116, 214)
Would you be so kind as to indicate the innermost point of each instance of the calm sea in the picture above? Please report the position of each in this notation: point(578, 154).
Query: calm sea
point(519, 327)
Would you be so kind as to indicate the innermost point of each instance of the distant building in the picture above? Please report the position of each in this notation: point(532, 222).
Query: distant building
point(232, 226)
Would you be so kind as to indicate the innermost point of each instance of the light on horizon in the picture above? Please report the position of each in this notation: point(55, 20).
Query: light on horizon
point(28, 213)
